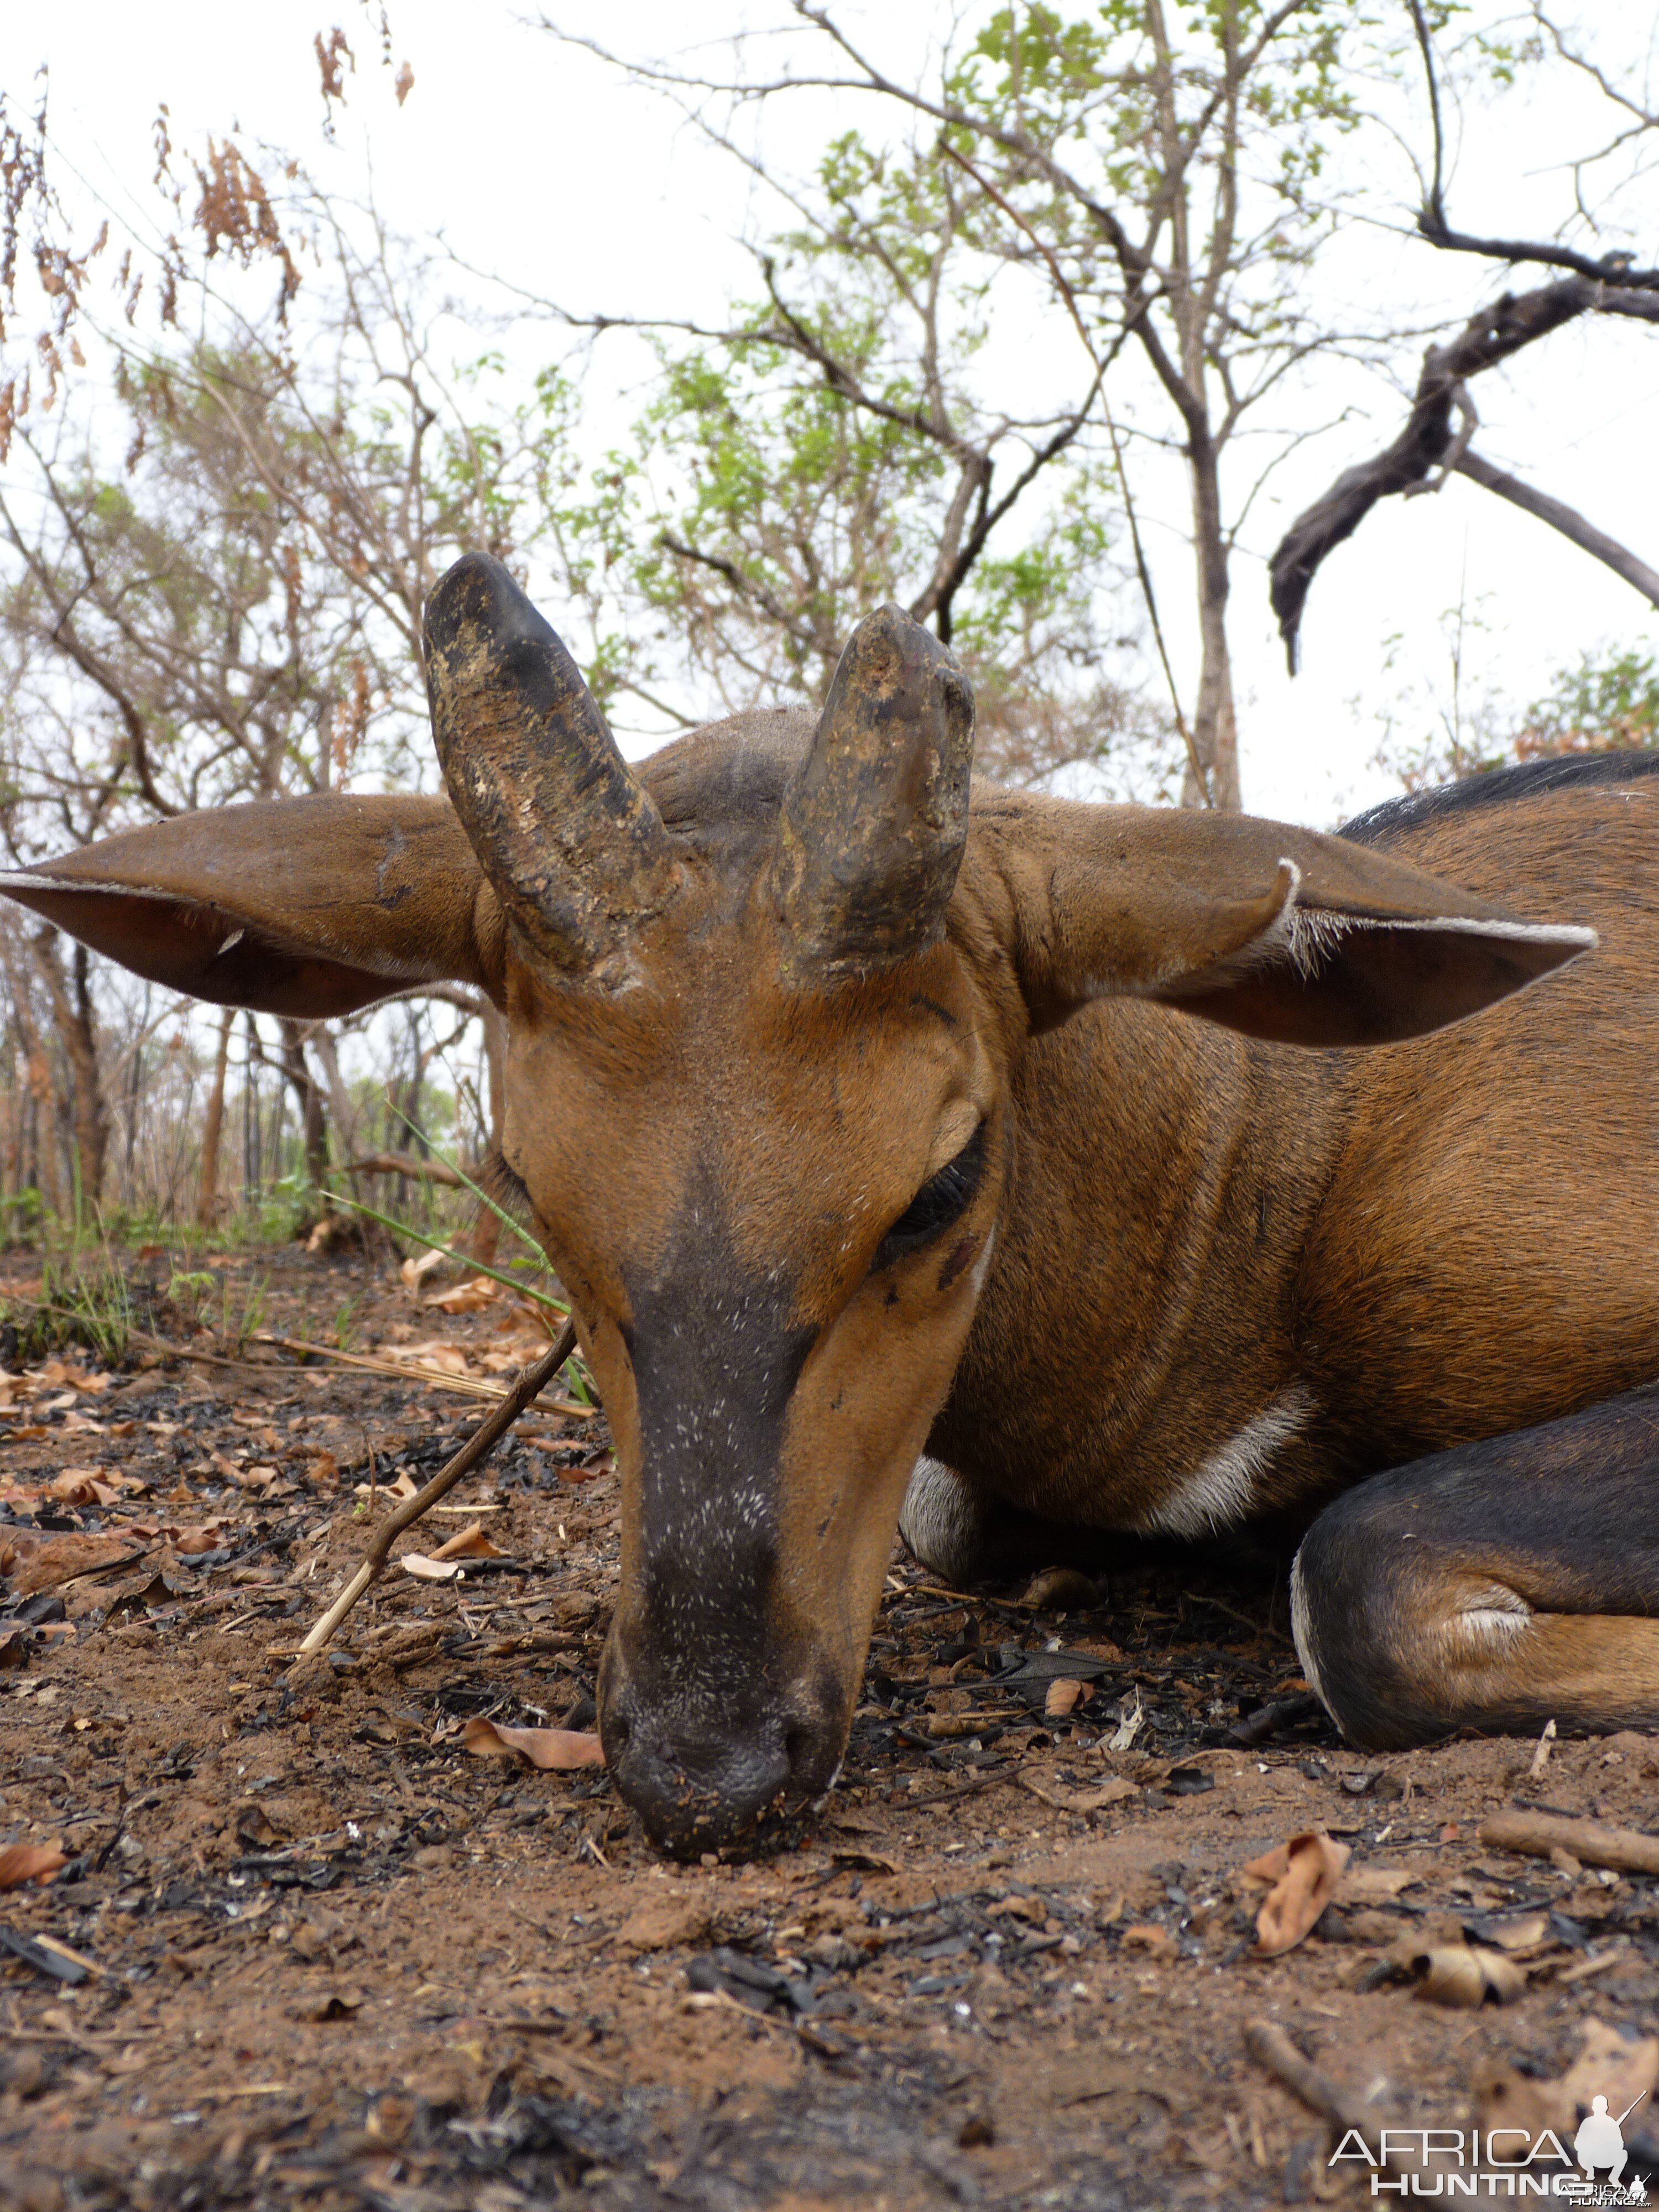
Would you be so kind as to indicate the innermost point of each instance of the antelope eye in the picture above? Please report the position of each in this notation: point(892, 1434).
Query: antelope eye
point(943, 1199)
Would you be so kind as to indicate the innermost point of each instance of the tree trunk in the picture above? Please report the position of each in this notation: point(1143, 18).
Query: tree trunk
point(308, 1091)
point(207, 1204)
point(1215, 728)
point(73, 1015)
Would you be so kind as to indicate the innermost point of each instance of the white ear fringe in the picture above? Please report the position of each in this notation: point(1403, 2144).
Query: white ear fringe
point(1306, 937)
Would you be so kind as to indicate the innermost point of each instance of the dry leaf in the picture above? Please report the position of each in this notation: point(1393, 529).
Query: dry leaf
point(61, 1558)
point(403, 1486)
point(414, 1271)
point(1060, 1589)
point(332, 2004)
point(1462, 1975)
point(1116, 1791)
point(1147, 1936)
point(85, 1485)
point(190, 1543)
point(469, 1543)
point(427, 1569)
point(556, 1751)
point(1373, 1884)
point(1304, 1873)
point(467, 1297)
point(1517, 1931)
point(1606, 2066)
point(666, 1922)
point(1609, 2067)
point(35, 1862)
point(436, 1353)
point(1063, 1695)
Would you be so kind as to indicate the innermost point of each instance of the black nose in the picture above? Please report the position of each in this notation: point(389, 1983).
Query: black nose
point(700, 1781)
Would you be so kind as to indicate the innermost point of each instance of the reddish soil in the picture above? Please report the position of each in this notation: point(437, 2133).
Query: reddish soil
point(331, 1961)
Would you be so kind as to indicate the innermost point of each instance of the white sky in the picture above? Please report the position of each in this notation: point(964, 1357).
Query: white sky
point(545, 166)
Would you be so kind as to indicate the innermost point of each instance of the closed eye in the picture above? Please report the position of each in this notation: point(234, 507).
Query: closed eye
point(943, 1199)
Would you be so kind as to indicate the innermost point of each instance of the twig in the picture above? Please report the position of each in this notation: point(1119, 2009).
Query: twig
point(969, 1789)
point(531, 1381)
point(1273, 2052)
point(207, 1358)
point(1567, 519)
point(410, 1370)
point(1593, 1843)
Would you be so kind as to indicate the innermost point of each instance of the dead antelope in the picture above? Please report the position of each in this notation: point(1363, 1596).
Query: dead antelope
point(1003, 1154)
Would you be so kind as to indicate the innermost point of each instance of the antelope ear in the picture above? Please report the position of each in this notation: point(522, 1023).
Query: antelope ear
point(308, 906)
point(1279, 932)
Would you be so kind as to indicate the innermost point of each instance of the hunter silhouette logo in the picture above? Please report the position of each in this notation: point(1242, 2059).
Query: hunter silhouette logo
point(1502, 2161)
point(1600, 2142)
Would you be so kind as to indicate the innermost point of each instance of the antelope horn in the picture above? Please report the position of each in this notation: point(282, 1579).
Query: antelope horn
point(569, 839)
point(873, 824)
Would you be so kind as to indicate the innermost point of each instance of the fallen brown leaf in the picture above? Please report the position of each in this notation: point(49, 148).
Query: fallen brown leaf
point(1060, 1589)
point(403, 1486)
point(61, 1558)
point(1462, 1975)
point(1373, 1884)
point(189, 1543)
point(1304, 1873)
point(1115, 1791)
point(1064, 1695)
point(469, 1543)
point(332, 2004)
point(467, 1297)
point(438, 1351)
point(555, 1751)
point(35, 1862)
point(1147, 1936)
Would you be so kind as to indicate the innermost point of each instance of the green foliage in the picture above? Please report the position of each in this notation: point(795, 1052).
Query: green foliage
point(84, 1307)
point(1605, 701)
point(1596, 705)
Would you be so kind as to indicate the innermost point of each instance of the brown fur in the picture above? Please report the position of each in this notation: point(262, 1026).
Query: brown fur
point(1179, 1225)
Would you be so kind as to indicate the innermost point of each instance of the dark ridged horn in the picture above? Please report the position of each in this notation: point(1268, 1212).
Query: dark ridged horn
point(872, 825)
point(571, 842)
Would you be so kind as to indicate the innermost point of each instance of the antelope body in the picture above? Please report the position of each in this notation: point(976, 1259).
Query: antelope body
point(1117, 1169)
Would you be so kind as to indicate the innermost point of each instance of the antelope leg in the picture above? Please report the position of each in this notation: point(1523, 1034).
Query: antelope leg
point(1493, 1587)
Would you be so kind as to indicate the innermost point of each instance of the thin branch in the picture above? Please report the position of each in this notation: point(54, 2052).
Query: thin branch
point(1568, 520)
point(1491, 336)
point(1434, 202)
point(1610, 269)
point(1142, 569)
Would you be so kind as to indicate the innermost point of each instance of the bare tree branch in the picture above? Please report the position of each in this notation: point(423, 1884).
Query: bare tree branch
point(1568, 520)
point(1491, 336)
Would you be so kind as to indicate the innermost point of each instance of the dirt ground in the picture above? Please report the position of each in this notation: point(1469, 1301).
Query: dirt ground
point(312, 1952)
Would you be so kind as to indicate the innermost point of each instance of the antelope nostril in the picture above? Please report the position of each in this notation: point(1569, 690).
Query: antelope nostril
point(798, 1747)
point(618, 1729)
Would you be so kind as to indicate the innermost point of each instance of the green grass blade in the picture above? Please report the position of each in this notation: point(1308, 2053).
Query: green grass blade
point(481, 1195)
point(436, 1245)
